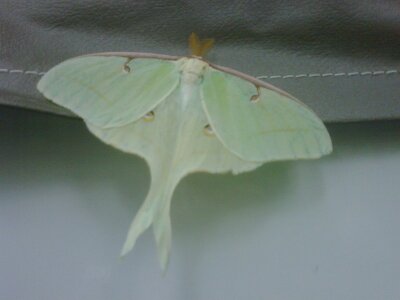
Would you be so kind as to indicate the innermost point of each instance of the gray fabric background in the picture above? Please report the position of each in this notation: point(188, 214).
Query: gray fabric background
point(325, 229)
point(340, 57)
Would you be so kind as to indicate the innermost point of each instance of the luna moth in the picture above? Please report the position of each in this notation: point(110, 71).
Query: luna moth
point(182, 115)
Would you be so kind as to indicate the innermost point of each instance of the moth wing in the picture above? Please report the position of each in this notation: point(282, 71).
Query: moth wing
point(261, 124)
point(110, 91)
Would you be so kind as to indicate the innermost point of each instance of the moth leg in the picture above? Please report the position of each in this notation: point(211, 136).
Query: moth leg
point(125, 67)
point(255, 98)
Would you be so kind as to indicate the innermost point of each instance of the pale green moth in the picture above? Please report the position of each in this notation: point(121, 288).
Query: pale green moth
point(183, 115)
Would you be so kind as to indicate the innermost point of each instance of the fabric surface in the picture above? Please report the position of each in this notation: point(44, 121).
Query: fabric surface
point(339, 57)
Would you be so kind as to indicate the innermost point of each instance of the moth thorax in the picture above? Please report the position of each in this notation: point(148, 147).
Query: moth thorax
point(193, 69)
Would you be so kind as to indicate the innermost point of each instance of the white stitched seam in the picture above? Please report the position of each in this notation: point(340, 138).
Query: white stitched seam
point(19, 71)
point(288, 76)
point(340, 74)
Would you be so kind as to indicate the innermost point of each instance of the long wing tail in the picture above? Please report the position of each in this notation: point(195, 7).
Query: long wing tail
point(154, 211)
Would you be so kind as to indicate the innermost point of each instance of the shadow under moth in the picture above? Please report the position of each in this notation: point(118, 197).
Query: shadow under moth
point(182, 115)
